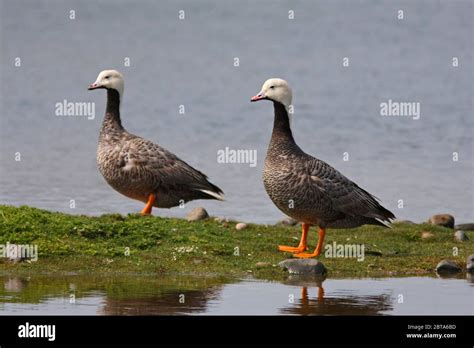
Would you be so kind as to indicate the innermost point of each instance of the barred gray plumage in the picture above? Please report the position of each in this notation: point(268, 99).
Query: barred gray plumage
point(137, 167)
point(310, 190)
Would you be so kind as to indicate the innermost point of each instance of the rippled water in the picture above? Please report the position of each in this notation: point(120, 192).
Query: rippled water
point(150, 295)
point(191, 62)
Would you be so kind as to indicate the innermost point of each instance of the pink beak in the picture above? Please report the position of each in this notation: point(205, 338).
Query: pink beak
point(93, 86)
point(258, 97)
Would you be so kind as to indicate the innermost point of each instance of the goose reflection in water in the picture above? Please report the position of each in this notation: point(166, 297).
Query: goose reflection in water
point(173, 303)
point(322, 303)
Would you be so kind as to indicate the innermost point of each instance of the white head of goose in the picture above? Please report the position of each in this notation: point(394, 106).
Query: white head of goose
point(276, 90)
point(306, 188)
point(109, 79)
point(138, 168)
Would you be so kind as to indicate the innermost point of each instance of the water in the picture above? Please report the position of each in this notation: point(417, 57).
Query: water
point(188, 295)
point(191, 62)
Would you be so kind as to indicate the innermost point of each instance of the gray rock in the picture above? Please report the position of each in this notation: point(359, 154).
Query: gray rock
point(288, 222)
point(447, 267)
point(460, 236)
point(465, 227)
point(197, 214)
point(221, 220)
point(470, 263)
point(444, 220)
point(303, 266)
point(240, 226)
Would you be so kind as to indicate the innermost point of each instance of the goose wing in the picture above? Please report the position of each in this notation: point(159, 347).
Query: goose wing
point(344, 195)
point(154, 163)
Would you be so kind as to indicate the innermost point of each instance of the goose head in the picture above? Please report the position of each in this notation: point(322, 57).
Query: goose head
point(276, 90)
point(109, 79)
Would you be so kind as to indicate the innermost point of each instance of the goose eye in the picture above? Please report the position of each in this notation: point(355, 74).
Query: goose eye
point(272, 87)
point(107, 77)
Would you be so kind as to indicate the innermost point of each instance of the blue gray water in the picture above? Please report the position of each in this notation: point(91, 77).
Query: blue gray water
point(190, 62)
point(93, 295)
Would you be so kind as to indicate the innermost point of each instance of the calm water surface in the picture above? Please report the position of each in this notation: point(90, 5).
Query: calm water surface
point(191, 62)
point(139, 295)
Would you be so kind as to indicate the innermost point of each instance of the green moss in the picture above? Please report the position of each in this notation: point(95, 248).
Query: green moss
point(121, 244)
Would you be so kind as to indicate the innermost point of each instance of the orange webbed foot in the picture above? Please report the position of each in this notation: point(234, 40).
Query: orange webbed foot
point(317, 251)
point(302, 246)
point(289, 249)
point(306, 255)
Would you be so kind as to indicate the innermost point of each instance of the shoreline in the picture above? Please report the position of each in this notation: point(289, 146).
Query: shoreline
point(132, 244)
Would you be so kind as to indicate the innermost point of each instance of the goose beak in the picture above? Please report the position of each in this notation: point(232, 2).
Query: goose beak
point(92, 86)
point(258, 97)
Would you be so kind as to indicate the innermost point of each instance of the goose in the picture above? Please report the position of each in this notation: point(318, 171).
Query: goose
point(138, 168)
point(306, 188)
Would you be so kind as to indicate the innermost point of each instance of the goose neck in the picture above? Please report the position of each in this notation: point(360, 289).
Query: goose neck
point(281, 125)
point(112, 111)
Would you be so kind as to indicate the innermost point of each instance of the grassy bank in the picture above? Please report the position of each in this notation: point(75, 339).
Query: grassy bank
point(129, 244)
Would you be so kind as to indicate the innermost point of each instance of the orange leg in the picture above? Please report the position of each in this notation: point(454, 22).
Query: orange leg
point(304, 296)
point(322, 233)
point(320, 293)
point(149, 204)
point(302, 246)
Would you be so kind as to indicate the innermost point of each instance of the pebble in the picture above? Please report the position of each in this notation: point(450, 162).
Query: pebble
point(460, 236)
point(426, 235)
point(240, 226)
point(262, 264)
point(197, 214)
point(447, 267)
point(445, 220)
point(470, 263)
point(303, 266)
